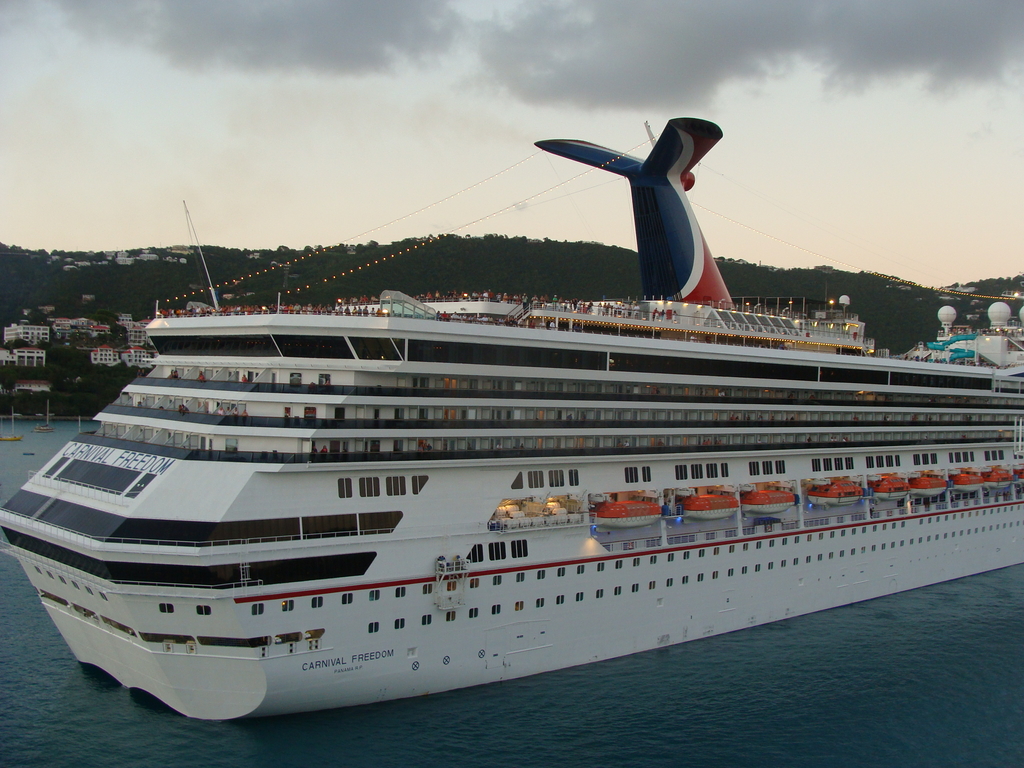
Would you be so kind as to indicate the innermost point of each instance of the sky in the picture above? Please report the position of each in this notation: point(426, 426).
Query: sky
point(865, 134)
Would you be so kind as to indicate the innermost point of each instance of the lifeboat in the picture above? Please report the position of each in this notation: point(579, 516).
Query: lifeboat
point(766, 502)
point(626, 514)
point(710, 506)
point(996, 479)
point(967, 482)
point(838, 493)
point(889, 487)
point(926, 486)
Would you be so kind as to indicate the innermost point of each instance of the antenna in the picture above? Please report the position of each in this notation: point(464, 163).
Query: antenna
point(650, 133)
point(192, 233)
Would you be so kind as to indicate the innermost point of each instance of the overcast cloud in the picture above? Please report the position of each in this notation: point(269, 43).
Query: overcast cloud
point(650, 52)
point(331, 36)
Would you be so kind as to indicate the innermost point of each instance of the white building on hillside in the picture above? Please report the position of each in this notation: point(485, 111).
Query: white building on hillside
point(33, 334)
point(30, 357)
point(138, 357)
point(104, 355)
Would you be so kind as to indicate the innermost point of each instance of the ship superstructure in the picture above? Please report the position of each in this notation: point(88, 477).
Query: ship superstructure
point(296, 511)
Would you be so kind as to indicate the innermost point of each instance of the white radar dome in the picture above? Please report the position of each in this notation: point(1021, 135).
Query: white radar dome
point(844, 300)
point(948, 314)
point(999, 313)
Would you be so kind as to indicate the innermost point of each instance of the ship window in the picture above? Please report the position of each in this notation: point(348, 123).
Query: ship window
point(450, 615)
point(257, 609)
point(374, 594)
point(345, 487)
point(519, 577)
point(535, 478)
point(495, 580)
point(712, 470)
point(373, 626)
point(203, 610)
point(780, 466)
point(399, 623)
point(166, 607)
point(753, 469)
point(618, 590)
point(517, 483)
point(495, 610)
point(599, 594)
point(696, 471)
point(287, 605)
point(685, 580)
point(653, 559)
point(645, 473)
point(418, 481)
point(476, 554)
point(579, 597)
point(635, 588)
point(556, 478)
point(295, 379)
point(541, 574)
point(600, 566)
point(395, 486)
point(369, 486)
point(428, 589)
point(560, 600)
point(766, 467)
point(827, 464)
point(560, 572)
point(496, 550)
point(636, 561)
point(426, 619)
point(618, 563)
point(743, 570)
point(652, 584)
point(632, 474)
point(346, 598)
point(816, 465)
point(730, 572)
point(574, 477)
point(399, 591)
point(681, 471)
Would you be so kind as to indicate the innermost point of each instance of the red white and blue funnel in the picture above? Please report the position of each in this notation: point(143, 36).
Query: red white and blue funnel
point(675, 261)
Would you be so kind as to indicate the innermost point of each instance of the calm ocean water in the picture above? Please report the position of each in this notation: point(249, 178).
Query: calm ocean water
point(933, 677)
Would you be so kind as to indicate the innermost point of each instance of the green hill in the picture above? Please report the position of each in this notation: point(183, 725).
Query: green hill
point(897, 315)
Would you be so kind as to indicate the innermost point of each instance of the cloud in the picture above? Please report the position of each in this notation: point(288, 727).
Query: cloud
point(330, 36)
point(607, 53)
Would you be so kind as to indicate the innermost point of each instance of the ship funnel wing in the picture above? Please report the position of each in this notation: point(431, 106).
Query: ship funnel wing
point(675, 261)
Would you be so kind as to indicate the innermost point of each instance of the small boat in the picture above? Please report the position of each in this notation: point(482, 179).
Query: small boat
point(926, 486)
point(764, 502)
point(12, 436)
point(710, 506)
point(889, 487)
point(838, 493)
point(44, 427)
point(996, 479)
point(626, 514)
point(967, 482)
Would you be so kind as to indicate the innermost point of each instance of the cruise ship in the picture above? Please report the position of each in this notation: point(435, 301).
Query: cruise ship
point(303, 510)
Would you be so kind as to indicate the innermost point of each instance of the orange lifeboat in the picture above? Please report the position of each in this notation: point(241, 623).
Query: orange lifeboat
point(626, 514)
point(996, 479)
point(710, 506)
point(889, 487)
point(926, 486)
point(838, 493)
point(766, 502)
point(967, 482)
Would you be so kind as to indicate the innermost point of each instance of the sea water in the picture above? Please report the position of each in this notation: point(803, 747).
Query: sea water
point(932, 677)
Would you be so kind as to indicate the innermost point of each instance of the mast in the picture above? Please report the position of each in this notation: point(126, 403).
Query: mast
point(192, 233)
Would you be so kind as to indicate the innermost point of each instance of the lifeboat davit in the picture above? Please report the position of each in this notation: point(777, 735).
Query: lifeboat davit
point(838, 493)
point(926, 486)
point(996, 479)
point(710, 506)
point(967, 482)
point(626, 514)
point(889, 487)
point(766, 502)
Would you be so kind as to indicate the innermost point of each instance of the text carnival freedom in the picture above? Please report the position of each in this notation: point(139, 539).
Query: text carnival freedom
point(341, 661)
point(115, 457)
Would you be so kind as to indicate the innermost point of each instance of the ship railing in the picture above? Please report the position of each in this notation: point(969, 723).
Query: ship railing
point(818, 521)
point(81, 489)
point(731, 533)
point(857, 517)
point(444, 567)
point(540, 521)
point(790, 525)
point(682, 538)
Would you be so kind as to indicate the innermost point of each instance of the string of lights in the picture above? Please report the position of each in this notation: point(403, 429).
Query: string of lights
point(408, 249)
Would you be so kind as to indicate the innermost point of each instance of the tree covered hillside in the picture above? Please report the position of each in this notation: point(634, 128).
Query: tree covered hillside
point(897, 315)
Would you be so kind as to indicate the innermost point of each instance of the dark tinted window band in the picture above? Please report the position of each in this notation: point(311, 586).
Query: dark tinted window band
point(234, 642)
point(327, 347)
point(494, 354)
point(106, 526)
point(692, 366)
point(375, 348)
point(243, 346)
point(214, 576)
point(114, 479)
point(939, 381)
point(25, 503)
point(56, 466)
point(853, 376)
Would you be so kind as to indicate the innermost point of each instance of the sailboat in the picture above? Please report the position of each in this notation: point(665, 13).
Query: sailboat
point(11, 436)
point(44, 427)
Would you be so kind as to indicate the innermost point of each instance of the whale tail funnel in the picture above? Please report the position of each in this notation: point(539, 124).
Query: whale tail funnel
point(675, 261)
